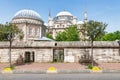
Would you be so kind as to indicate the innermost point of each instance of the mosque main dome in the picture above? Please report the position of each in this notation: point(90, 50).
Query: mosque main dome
point(64, 16)
point(27, 15)
point(80, 22)
point(64, 13)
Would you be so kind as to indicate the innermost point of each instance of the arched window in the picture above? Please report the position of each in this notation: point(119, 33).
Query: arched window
point(58, 26)
point(30, 31)
point(36, 31)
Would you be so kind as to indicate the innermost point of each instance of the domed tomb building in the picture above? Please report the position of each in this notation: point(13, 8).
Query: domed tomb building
point(63, 20)
point(30, 23)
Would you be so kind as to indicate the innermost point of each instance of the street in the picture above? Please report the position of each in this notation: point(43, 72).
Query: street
point(82, 76)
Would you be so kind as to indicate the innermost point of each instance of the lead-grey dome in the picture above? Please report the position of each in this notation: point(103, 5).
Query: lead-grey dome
point(64, 16)
point(27, 14)
point(64, 13)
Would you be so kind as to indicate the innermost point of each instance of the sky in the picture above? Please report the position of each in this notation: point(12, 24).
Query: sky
point(106, 11)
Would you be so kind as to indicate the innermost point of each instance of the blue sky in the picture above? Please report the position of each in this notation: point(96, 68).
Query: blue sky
point(107, 11)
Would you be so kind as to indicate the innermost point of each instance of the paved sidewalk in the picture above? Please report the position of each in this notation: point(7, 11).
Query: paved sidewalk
point(109, 66)
point(62, 67)
point(45, 66)
point(3, 65)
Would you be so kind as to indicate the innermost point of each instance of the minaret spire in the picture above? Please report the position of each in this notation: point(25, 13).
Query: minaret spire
point(49, 13)
point(50, 21)
point(49, 16)
point(85, 15)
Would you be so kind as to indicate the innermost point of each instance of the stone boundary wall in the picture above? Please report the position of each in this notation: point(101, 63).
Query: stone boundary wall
point(72, 44)
point(104, 51)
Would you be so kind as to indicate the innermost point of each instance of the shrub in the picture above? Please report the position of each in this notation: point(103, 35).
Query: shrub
point(12, 67)
point(90, 66)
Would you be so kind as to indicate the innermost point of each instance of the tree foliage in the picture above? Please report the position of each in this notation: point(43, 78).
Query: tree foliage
point(70, 34)
point(48, 35)
point(7, 29)
point(94, 29)
point(111, 36)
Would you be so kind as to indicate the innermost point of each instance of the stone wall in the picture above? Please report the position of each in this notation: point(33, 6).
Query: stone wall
point(43, 55)
point(4, 55)
point(100, 54)
point(73, 51)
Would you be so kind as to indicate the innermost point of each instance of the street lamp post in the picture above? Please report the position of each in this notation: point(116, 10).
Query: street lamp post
point(10, 40)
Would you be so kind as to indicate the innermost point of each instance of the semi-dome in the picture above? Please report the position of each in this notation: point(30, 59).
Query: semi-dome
point(64, 13)
point(27, 14)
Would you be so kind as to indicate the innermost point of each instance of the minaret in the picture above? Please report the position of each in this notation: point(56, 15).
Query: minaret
point(50, 21)
point(85, 16)
point(49, 15)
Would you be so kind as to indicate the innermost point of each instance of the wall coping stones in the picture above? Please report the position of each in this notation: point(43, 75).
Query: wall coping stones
point(71, 44)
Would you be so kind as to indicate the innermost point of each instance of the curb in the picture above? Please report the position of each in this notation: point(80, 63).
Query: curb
point(8, 72)
point(111, 71)
point(46, 72)
point(100, 71)
point(72, 71)
point(60, 72)
point(29, 72)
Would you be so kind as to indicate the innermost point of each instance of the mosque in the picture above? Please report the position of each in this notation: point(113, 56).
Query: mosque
point(63, 20)
point(33, 26)
point(35, 47)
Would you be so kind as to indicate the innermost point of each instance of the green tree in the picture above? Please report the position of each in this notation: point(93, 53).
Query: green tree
point(7, 29)
point(2, 34)
point(61, 36)
point(48, 35)
point(95, 29)
point(111, 36)
point(7, 33)
point(70, 34)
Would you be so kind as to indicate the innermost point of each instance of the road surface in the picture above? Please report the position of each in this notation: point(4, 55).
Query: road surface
point(82, 76)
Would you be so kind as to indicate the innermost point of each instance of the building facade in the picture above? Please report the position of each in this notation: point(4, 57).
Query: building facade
point(30, 23)
point(63, 20)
